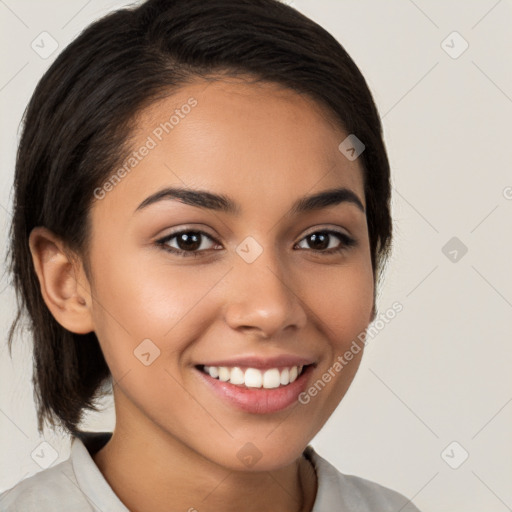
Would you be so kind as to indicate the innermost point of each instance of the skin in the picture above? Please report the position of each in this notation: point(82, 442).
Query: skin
point(176, 442)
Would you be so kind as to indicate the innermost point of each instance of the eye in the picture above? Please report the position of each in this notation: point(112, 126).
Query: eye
point(320, 240)
point(189, 242)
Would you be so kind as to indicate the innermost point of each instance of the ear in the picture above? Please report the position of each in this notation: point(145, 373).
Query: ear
point(64, 285)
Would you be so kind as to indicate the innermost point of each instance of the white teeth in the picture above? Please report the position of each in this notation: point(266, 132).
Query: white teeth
point(224, 373)
point(253, 377)
point(237, 376)
point(271, 378)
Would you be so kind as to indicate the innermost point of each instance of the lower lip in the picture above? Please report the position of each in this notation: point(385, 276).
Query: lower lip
point(259, 400)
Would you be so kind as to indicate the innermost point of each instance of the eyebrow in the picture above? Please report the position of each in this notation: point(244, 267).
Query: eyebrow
point(222, 203)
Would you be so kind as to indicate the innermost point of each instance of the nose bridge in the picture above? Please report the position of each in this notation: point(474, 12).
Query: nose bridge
point(261, 295)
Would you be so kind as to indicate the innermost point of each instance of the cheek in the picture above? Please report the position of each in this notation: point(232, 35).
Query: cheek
point(139, 299)
point(342, 301)
point(143, 297)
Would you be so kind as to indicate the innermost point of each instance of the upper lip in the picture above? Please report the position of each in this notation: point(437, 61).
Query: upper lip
point(284, 361)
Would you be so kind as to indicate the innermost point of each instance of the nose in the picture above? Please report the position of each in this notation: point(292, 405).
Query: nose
point(263, 297)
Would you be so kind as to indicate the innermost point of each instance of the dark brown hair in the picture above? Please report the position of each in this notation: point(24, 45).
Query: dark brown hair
point(77, 128)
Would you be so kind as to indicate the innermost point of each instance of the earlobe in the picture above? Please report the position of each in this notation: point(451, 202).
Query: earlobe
point(64, 286)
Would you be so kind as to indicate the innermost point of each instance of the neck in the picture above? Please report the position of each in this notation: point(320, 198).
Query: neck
point(148, 472)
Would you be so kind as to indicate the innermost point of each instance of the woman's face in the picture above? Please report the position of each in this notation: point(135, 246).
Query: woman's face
point(266, 284)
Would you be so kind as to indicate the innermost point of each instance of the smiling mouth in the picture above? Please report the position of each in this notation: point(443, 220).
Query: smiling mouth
point(270, 378)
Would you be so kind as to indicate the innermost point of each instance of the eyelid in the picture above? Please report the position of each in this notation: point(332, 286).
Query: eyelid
point(179, 231)
point(184, 229)
point(346, 241)
point(327, 228)
point(310, 231)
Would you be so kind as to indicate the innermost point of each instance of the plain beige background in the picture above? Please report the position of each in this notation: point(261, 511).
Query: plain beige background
point(430, 411)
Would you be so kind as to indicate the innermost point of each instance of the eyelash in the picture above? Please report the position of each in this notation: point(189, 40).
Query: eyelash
point(347, 242)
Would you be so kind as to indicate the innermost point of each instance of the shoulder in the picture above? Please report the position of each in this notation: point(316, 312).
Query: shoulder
point(352, 493)
point(51, 489)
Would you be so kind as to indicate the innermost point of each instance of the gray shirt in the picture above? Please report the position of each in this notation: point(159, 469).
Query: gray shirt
point(77, 485)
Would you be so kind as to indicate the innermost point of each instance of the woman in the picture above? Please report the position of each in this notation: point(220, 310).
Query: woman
point(201, 218)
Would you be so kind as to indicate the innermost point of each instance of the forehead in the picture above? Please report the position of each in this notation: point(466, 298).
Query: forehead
point(238, 138)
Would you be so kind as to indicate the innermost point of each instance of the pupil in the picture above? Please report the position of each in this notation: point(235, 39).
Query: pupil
point(187, 242)
point(322, 238)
